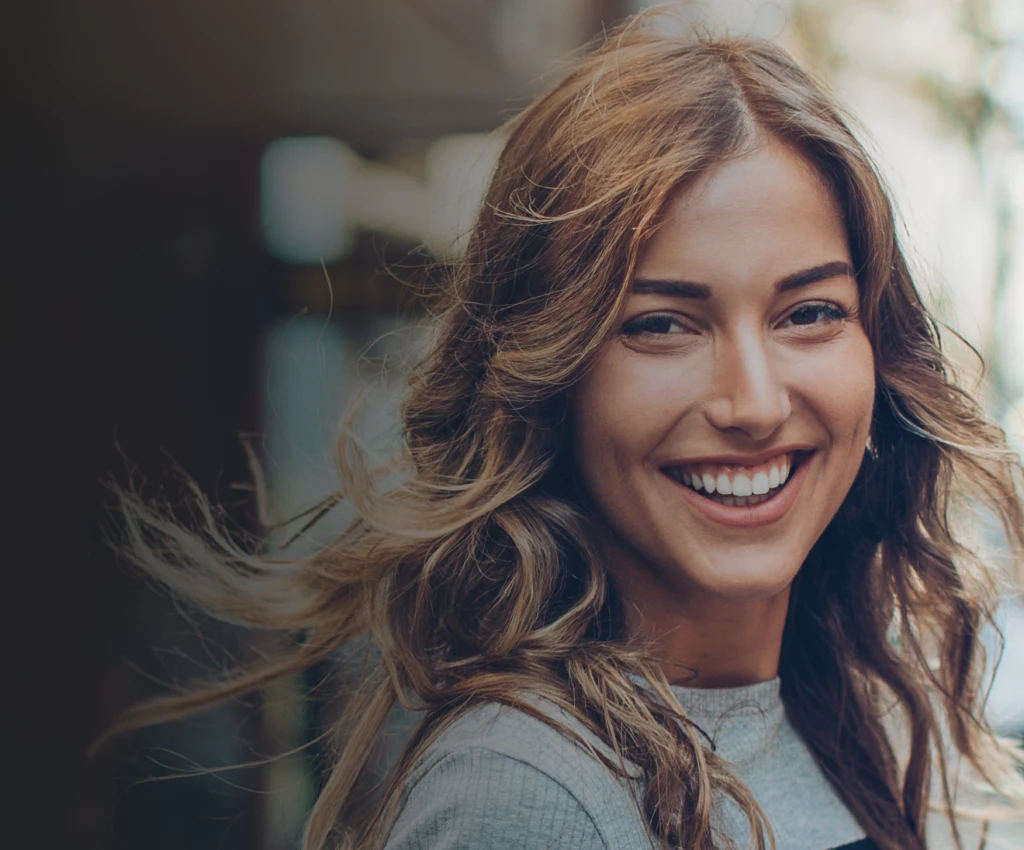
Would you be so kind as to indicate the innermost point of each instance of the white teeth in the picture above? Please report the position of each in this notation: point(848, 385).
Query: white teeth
point(741, 485)
point(760, 484)
point(737, 490)
point(744, 501)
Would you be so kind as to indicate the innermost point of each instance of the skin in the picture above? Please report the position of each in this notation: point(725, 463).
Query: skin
point(745, 369)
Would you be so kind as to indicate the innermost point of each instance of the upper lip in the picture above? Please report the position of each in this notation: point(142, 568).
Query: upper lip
point(740, 459)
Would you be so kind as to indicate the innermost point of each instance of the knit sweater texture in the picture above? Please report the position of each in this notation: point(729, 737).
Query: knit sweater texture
point(500, 779)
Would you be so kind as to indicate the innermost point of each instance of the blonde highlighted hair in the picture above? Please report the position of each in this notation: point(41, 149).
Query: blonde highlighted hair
point(474, 578)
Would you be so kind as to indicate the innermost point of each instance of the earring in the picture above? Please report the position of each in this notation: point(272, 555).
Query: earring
point(869, 447)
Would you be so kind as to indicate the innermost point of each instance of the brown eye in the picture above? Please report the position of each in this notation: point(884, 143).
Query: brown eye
point(814, 314)
point(655, 324)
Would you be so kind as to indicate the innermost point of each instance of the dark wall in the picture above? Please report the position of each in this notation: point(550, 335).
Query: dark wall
point(147, 290)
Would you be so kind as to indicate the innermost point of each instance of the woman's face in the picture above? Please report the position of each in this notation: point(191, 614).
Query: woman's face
point(726, 417)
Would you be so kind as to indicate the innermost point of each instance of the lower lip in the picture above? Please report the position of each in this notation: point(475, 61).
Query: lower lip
point(747, 516)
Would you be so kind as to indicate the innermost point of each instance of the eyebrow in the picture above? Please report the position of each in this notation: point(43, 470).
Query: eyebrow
point(689, 289)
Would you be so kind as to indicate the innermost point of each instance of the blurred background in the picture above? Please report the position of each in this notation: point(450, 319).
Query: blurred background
point(214, 210)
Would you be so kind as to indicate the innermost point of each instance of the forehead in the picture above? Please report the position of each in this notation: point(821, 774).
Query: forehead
point(762, 214)
point(765, 173)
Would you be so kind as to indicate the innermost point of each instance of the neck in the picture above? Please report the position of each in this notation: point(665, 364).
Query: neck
point(707, 641)
point(727, 644)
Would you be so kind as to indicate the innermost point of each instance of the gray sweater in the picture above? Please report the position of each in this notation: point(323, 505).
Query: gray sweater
point(499, 779)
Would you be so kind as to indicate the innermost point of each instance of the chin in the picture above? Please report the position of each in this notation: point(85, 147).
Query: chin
point(742, 579)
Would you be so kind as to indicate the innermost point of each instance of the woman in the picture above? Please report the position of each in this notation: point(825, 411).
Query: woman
point(673, 552)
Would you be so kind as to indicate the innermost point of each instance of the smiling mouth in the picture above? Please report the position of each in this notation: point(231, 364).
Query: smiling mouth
point(737, 486)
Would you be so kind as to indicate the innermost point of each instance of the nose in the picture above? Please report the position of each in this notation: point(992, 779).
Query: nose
point(747, 392)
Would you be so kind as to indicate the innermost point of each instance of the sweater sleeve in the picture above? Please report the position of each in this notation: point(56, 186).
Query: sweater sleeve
point(477, 799)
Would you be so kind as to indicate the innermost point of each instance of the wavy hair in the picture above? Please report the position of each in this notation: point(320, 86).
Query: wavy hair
point(474, 579)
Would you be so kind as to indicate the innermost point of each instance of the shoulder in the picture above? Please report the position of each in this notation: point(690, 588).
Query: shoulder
point(500, 777)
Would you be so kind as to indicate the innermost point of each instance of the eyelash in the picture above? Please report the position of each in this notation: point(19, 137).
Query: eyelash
point(834, 312)
point(641, 325)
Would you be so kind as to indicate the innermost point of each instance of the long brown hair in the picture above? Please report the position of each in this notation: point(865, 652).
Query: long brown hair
point(474, 578)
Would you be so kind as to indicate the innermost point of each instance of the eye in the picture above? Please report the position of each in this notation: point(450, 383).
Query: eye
point(815, 315)
point(654, 324)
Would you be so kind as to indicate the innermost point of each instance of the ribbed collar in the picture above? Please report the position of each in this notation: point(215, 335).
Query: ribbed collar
point(762, 698)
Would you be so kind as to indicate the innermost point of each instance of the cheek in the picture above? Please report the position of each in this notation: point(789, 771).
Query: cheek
point(612, 425)
point(600, 420)
point(859, 385)
point(626, 405)
point(841, 388)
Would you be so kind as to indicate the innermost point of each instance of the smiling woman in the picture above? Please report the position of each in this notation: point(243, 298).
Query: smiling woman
point(741, 362)
point(674, 562)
